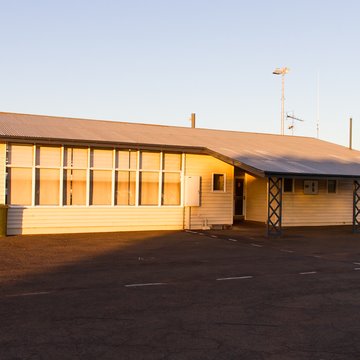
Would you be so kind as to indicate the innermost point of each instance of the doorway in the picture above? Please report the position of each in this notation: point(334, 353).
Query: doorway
point(239, 199)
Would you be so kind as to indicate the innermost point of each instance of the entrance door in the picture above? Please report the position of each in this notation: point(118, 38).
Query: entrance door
point(239, 199)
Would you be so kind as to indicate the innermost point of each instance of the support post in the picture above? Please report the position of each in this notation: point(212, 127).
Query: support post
point(350, 134)
point(274, 206)
point(283, 103)
point(356, 207)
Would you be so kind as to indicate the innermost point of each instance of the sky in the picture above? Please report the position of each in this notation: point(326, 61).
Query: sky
point(158, 61)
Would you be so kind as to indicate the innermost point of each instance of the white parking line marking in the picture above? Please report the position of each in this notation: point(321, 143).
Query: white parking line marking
point(356, 269)
point(356, 263)
point(256, 245)
point(235, 278)
point(308, 272)
point(287, 251)
point(144, 284)
point(191, 232)
point(213, 236)
point(232, 240)
point(30, 294)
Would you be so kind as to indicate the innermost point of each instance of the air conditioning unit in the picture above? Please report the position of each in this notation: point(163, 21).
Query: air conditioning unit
point(311, 187)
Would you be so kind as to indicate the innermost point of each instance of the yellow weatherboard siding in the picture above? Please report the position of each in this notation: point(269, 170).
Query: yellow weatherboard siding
point(256, 198)
point(72, 219)
point(321, 209)
point(216, 207)
point(299, 209)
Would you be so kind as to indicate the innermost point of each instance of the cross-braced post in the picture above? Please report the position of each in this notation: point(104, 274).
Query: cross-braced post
point(356, 207)
point(274, 206)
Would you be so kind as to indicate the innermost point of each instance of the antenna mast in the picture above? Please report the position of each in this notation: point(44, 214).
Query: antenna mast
point(293, 118)
point(318, 106)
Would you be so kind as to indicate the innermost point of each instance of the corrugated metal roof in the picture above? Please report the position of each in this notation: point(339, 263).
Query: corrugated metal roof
point(265, 153)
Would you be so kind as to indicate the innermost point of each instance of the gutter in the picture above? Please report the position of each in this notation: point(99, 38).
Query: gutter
point(310, 175)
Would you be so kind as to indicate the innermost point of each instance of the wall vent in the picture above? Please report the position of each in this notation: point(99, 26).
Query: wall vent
point(311, 187)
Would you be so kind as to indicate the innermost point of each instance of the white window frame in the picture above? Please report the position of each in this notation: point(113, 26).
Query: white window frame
point(292, 186)
point(212, 183)
point(165, 171)
point(113, 170)
point(39, 167)
point(87, 176)
point(336, 186)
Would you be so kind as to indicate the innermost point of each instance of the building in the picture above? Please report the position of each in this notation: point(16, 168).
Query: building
point(63, 175)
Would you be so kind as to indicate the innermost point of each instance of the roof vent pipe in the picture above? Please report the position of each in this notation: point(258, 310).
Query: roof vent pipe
point(192, 119)
point(350, 135)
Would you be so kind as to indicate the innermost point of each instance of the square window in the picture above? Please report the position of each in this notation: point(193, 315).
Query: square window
point(48, 156)
point(126, 159)
point(288, 185)
point(76, 157)
point(100, 187)
point(150, 160)
point(20, 155)
point(218, 182)
point(47, 186)
point(20, 186)
point(172, 162)
point(101, 159)
point(331, 186)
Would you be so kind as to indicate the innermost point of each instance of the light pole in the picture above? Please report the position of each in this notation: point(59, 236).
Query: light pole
point(282, 72)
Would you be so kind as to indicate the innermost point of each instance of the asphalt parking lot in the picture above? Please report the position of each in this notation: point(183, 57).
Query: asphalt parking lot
point(230, 294)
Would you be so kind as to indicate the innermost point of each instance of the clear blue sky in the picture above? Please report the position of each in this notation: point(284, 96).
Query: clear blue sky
point(156, 61)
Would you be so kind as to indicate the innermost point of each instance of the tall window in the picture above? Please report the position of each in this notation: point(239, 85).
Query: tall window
point(75, 165)
point(101, 177)
point(149, 178)
point(20, 163)
point(125, 177)
point(331, 186)
point(171, 179)
point(48, 164)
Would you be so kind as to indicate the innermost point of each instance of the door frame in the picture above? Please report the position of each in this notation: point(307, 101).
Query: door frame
point(237, 218)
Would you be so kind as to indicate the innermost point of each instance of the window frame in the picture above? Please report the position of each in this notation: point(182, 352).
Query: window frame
point(327, 186)
point(37, 170)
point(165, 171)
point(65, 167)
point(94, 169)
point(213, 183)
point(292, 186)
point(10, 166)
